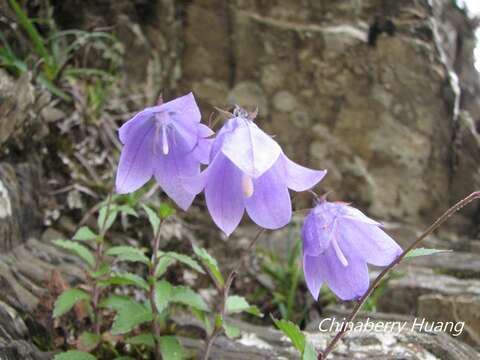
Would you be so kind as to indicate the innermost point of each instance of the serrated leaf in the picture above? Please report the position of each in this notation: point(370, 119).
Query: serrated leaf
point(128, 253)
point(129, 315)
point(153, 218)
point(186, 296)
point(78, 249)
point(210, 262)
point(163, 294)
point(237, 304)
point(125, 279)
point(84, 234)
point(231, 331)
point(67, 300)
point(292, 332)
point(163, 263)
point(74, 355)
point(88, 341)
point(424, 252)
point(104, 222)
point(142, 339)
point(171, 349)
point(185, 259)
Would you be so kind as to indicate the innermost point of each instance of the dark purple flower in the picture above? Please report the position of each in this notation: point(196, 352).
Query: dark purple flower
point(167, 141)
point(248, 170)
point(338, 242)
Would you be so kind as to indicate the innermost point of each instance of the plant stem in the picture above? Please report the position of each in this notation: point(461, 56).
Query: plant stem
point(225, 290)
point(151, 292)
point(445, 216)
point(98, 260)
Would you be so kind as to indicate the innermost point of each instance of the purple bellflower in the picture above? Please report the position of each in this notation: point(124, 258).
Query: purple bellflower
point(166, 141)
point(248, 170)
point(338, 242)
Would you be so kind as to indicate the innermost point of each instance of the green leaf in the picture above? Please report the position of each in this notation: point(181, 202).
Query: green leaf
point(237, 304)
point(186, 296)
point(78, 249)
point(102, 271)
point(129, 315)
point(142, 339)
point(202, 316)
point(84, 234)
point(88, 341)
point(185, 259)
point(125, 279)
point(292, 332)
point(165, 210)
point(115, 302)
point(163, 294)
point(127, 209)
point(231, 331)
point(163, 263)
point(171, 349)
point(424, 252)
point(74, 355)
point(309, 352)
point(166, 293)
point(104, 222)
point(67, 300)
point(128, 253)
point(124, 358)
point(152, 218)
point(210, 262)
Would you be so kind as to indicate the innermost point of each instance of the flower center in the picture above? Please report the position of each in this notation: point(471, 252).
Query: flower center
point(341, 257)
point(247, 186)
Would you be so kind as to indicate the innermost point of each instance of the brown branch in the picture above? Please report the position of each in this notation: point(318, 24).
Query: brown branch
point(445, 216)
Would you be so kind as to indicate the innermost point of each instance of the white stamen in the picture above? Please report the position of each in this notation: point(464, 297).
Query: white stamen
point(164, 140)
point(247, 186)
point(339, 252)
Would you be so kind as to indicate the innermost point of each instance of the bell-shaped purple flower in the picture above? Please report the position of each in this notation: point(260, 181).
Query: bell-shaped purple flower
point(166, 141)
point(248, 170)
point(338, 242)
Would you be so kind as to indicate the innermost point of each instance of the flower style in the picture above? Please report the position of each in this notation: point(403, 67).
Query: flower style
point(167, 141)
point(248, 170)
point(338, 242)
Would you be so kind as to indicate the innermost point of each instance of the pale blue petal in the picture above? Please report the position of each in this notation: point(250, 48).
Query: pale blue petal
point(297, 177)
point(250, 149)
point(270, 205)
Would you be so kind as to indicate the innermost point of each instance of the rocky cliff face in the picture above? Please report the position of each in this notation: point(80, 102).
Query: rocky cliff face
point(382, 93)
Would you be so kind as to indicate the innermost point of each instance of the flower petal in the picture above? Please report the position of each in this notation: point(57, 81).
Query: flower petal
point(186, 106)
point(297, 177)
point(312, 272)
point(368, 242)
point(249, 148)
point(347, 282)
point(351, 213)
point(171, 169)
point(223, 193)
point(136, 161)
point(131, 125)
point(316, 234)
point(270, 205)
